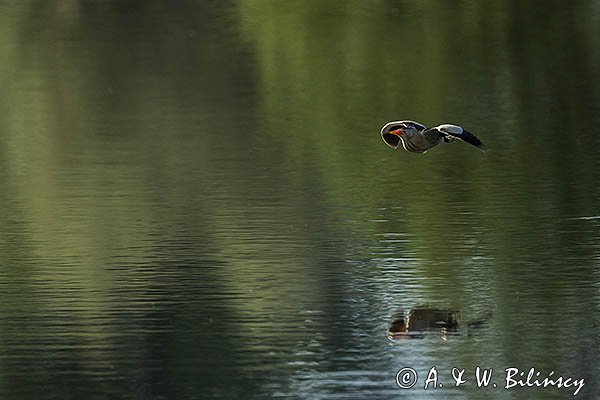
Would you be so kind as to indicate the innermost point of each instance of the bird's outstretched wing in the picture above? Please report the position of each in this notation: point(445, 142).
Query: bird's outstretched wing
point(390, 126)
point(412, 124)
point(456, 132)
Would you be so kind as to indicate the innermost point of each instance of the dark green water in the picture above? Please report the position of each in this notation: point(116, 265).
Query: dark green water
point(195, 201)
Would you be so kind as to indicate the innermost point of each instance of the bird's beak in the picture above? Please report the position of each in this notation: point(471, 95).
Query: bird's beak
point(392, 138)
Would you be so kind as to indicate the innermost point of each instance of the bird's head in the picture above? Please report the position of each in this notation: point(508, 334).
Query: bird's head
point(393, 133)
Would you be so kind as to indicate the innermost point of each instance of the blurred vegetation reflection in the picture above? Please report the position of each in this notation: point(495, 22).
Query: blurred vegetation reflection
point(195, 194)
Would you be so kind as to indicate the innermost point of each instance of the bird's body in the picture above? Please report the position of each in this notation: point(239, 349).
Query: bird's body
point(417, 138)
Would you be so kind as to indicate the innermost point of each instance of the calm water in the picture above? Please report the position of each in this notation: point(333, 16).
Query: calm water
point(196, 202)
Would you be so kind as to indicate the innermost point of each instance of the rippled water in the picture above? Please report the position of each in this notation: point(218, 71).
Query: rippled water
point(196, 202)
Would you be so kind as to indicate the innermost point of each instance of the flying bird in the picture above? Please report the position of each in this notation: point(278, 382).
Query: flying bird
point(417, 138)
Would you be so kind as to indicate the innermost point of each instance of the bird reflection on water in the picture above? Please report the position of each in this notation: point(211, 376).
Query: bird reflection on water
point(419, 321)
point(423, 320)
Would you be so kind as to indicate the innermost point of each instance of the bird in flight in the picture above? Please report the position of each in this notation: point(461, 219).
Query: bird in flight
point(417, 138)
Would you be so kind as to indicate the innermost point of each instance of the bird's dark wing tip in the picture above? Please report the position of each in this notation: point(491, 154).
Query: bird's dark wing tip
point(480, 146)
point(472, 139)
